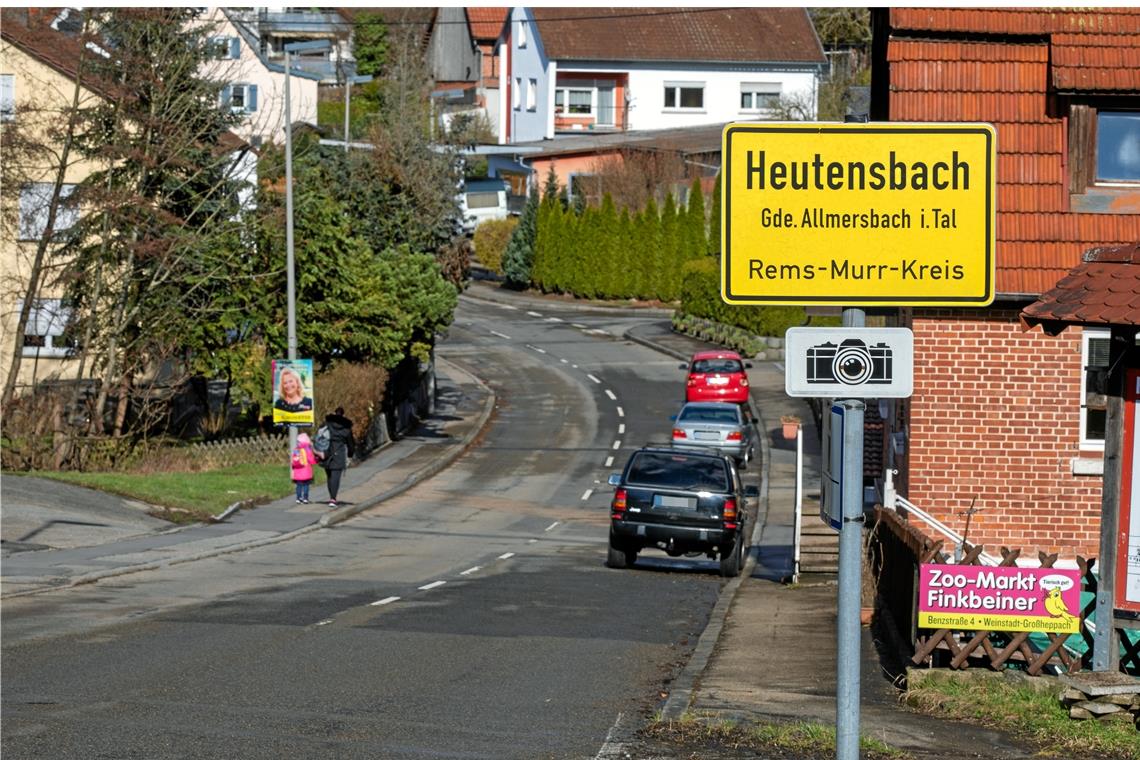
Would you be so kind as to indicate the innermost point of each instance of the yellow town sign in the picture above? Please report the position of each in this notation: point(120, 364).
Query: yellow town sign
point(891, 214)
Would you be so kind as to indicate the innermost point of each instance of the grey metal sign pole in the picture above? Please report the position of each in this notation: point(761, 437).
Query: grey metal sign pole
point(850, 572)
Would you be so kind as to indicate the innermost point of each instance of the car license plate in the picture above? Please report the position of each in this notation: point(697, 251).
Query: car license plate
point(718, 381)
point(703, 435)
point(674, 502)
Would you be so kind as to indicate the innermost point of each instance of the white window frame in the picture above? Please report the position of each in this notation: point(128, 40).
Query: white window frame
point(35, 198)
point(7, 97)
point(516, 95)
point(245, 88)
point(562, 101)
point(531, 94)
point(1089, 334)
point(522, 34)
point(759, 89)
point(48, 319)
point(676, 87)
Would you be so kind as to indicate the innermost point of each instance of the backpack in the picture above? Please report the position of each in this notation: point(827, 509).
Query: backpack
point(322, 440)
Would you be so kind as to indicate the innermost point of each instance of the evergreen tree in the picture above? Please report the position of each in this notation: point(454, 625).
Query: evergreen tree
point(607, 248)
point(672, 245)
point(649, 254)
point(519, 257)
point(698, 244)
point(714, 220)
point(623, 265)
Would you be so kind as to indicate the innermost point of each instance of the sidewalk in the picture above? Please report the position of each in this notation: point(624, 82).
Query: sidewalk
point(463, 406)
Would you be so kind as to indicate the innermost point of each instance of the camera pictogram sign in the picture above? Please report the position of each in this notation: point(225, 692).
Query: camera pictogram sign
point(849, 362)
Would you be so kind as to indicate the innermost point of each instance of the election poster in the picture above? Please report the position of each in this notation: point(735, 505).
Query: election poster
point(293, 392)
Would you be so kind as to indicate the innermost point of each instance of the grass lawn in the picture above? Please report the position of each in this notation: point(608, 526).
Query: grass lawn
point(1029, 711)
point(706, 737)
point(206, 493)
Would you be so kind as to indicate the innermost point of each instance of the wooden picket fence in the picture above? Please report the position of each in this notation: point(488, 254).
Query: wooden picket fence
point(957, 650)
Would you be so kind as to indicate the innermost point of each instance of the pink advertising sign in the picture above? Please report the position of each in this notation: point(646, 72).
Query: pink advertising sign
point(980, 598)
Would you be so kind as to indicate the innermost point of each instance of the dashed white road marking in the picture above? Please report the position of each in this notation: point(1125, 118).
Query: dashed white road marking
point(580, 327)
point(470, 570)
point(596, 380)
point(621, 429)
point(508, 307)
point(533, 314)
point(611, 395)
point(553, 319)
point(588, 494)
point(536, 348)
point(575, 366)
point(385, 600)
point(551, 527)
point(617, 445)
point(325, 622)
point(609, 462)
point(621, 412)
point(508, 555)
point(564, 361)
point(504, 337)
point(430, 586)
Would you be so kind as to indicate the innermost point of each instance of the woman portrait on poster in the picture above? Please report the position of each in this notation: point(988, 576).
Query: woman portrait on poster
point(291, 392)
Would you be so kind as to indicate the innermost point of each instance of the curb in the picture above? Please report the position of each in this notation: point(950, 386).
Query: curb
point(325, 520)
point(649, 311)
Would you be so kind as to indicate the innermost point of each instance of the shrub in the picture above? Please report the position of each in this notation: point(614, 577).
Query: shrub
point(359, 388)
point(700, 296)
point(491, 238)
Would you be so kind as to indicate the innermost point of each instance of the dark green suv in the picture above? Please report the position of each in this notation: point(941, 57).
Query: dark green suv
point(682, 502)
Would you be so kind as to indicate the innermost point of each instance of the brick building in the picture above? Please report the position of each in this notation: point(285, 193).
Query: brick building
point(1004, 419)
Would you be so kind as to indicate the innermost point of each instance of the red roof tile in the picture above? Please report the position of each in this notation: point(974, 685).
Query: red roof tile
point(486, 23)
point(1104, 289)
point(679, 34)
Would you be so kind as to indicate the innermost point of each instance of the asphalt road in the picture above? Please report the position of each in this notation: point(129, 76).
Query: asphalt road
point(471, 617)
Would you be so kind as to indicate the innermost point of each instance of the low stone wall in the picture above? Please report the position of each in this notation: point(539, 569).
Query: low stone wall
point(759, 347)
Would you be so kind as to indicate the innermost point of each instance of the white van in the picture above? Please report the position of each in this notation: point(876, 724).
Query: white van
point(480, 200)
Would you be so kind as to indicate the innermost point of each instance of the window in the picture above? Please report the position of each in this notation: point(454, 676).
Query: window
point(7, 97)
point(574, 101)
point(482, 199)
point(225, 48)
point(47, 328)
point(522, 34)
point(516, 98)
point(1094, 360)
point(684, 95)
point(35, 200)
point(531, 94)
point(1104, 156)
point(1118, 147)
point(240, 97)
point(759, 96)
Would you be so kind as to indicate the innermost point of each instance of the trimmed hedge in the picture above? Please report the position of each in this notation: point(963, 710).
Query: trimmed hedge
point(490, 241)
point(700, 296)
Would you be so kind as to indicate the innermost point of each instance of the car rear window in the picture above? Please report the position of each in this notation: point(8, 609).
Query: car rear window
point(678, 471)
point(709, 414)
point(707, 366)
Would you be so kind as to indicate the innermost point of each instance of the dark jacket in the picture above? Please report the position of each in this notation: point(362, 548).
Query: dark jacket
point(341, 445)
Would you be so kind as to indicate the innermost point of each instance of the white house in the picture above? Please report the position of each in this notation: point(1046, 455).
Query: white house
point(255, 84)
point(573, 69)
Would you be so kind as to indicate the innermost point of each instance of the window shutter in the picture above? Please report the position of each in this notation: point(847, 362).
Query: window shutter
point(235, 48)
point(7, 96)
point(227, 96)
point(251, 97)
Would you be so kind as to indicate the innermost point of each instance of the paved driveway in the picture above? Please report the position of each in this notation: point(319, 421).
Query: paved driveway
point(45, 514)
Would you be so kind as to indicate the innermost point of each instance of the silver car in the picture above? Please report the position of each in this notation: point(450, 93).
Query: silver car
point(715, 426)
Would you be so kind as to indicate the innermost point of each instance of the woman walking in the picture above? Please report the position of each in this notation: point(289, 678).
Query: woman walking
point(341, 448)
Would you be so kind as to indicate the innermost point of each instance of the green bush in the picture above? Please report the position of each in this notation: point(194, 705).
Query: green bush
point(700, 296)
point(491, 238)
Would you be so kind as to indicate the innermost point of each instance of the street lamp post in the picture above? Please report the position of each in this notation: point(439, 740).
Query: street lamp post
point(290, 280)
point(348, 83)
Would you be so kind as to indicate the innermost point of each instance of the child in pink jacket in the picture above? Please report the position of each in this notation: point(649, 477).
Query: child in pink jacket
point(303, 459)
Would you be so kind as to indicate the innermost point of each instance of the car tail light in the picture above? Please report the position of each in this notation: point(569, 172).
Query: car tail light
point(735, 435)
point(678, 433)
point(743, 381)
point(618, 504)
point(729, 509)
point(692, 380)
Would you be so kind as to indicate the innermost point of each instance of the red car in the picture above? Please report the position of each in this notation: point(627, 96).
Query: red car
point(717, 376)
